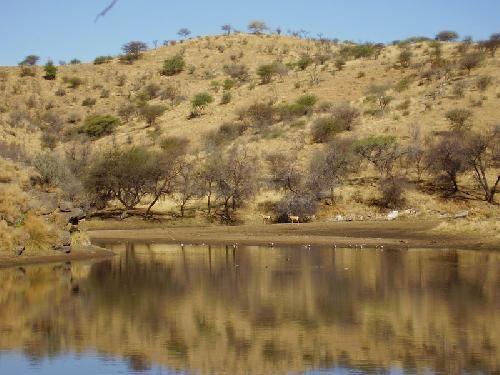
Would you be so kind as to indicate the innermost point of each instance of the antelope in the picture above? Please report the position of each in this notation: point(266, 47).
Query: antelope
point(294, 218)
point(266, 218)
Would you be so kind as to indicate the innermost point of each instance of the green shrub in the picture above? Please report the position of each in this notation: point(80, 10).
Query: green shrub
point(304, 61)
point(97, 126)
point(102, 60)
point(50, 71)
point(200, 102)
point(266, 72)
point(228, 84)
point(301, 107)
point(173, 66)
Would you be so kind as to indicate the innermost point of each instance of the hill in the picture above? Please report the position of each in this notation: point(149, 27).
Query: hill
point(321, 129)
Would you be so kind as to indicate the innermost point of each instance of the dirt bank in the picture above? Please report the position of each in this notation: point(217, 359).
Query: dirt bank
point(397, 234)
point(80, 253)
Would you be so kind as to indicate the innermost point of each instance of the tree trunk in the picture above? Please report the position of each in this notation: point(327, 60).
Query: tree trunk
point(157, 196)
point(209, 198)
point(493, 190)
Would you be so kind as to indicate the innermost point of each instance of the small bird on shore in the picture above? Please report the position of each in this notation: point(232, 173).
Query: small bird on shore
point(270, 244)
point(235, 245)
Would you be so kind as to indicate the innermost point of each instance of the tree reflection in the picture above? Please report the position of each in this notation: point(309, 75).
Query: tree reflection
point(261, 310)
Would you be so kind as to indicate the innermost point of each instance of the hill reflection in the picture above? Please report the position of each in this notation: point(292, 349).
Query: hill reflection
point(261, 310)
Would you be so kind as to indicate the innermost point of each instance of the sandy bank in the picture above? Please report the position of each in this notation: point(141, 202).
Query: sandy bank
point(397, 234)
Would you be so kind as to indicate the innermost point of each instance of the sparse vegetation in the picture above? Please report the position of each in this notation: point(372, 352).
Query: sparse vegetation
point(460, 119)
point(316, 154)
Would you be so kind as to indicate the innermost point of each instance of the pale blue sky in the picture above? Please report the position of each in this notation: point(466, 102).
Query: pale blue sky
point(65, 29)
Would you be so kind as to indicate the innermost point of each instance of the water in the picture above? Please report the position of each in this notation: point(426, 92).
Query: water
point(160, 309)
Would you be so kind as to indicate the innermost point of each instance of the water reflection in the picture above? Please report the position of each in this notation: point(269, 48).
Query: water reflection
point(261, 310)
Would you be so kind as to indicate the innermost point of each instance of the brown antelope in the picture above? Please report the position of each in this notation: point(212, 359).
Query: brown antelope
point(266, 218)
point(294, 218)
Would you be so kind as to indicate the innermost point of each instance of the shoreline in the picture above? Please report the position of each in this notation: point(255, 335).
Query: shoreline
point(395, 235)
point(392, 235)
point(79, 254)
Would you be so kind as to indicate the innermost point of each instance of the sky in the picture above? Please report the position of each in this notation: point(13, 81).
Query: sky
point(65, 29)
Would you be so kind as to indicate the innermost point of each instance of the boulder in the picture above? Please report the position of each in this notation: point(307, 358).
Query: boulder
point(393, 215)
point(63, 240)
point(44, 203)
point(74, 216)
point(65, 206)
point(461, 214)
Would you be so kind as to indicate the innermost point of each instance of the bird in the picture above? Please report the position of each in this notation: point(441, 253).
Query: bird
point(235, 245)
point(270, 244)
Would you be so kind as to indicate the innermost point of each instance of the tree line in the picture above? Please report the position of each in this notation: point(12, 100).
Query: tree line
point(228, 179)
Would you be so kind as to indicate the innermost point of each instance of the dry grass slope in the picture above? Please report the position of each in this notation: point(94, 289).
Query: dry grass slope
point(421, 93)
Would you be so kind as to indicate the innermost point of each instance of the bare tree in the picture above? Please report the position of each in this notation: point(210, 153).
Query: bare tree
point(257, 27)
point(416, 155)
point(227, 28)
point(185, 185)
point(446, 36)
point(381, 151)
point(284, 172)
point(184, 32)
point(236, 179)
point(328, 168)
point(480, 155)
point(134, 49)
point(446, 158)
point(208, 175)
point(167, 168)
